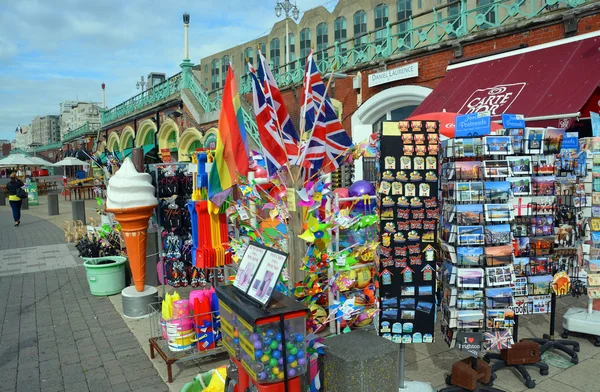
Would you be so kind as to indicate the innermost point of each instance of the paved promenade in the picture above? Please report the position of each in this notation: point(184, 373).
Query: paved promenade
point(54, 335)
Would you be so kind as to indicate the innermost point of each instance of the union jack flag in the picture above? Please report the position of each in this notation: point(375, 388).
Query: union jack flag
point(328, 141)
point(274, 98)
point(498, 340)
point(266, 121)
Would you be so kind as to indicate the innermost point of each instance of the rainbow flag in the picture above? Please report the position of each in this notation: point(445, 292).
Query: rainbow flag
point(231, 156)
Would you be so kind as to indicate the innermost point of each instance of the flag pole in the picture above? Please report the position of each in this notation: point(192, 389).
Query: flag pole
point(317, 118)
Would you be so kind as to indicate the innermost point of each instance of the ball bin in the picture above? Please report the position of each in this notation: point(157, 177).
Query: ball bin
point(272, 342)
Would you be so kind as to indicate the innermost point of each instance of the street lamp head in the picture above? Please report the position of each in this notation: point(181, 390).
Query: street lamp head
point(295, 13)
point(186, 18)
point(278, 9)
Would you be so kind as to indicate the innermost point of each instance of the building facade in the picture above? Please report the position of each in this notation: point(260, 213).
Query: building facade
point(369, 45)
point(45, 129)
point(74, 114)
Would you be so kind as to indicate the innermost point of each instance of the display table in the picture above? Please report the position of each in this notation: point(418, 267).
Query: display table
point(81, 192)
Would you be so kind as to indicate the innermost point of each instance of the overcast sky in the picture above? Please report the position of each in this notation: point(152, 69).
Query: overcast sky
point(57, 50)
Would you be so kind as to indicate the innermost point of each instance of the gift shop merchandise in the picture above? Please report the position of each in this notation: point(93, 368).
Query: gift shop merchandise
point(587, 278)
point(409, 213)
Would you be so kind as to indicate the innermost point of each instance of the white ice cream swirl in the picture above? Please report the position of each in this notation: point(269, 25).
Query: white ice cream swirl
point(130, 189)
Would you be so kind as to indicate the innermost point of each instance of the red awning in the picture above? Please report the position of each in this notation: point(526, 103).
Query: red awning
point(551, 79)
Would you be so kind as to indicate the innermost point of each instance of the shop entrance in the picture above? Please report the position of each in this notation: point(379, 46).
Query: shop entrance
point(393, 104)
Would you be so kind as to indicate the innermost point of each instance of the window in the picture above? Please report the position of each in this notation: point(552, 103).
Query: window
point(224, 64)
point(214, 75)
point(339, 33)
point(453, 17)
point(381, 18)
point(248, 57)
point(419, 4)
point(206, 82)
point(360, 27)
point(489, 11)
point(275, 55)
point(304, 43)
point(404, 12)
point(292, 58)
point(206, 69)
point(263, 48)
point(322, 41)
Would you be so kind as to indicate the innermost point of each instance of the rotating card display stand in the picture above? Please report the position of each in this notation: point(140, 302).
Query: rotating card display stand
point(409, 214)
point(513, 177)
point(580, 320)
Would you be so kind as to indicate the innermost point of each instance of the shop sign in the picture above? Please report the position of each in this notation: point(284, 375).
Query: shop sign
point(469, 342)
point(495, 100)
point(595, 118)
point(474, 124)
point(513, 121)
point(166, 155)
point(391, 75)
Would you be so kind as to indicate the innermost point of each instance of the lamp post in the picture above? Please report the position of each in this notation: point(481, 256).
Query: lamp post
point(287, 6)
point(141, 84)
point(186, 24)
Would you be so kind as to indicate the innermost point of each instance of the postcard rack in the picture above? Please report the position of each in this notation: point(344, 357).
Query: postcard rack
point(498, 232)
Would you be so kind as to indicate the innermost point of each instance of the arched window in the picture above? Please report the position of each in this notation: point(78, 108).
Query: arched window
point(304, 43)
point(292, 58)
point(263, 49)
point(214, 75)
point(248, 58)
point(360, 28)
point(224, 64)
point(322, 41)
point(275, 55)
point(339, 33)
point(381, 18)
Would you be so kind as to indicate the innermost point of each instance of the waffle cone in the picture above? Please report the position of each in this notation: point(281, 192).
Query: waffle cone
point(134, 226)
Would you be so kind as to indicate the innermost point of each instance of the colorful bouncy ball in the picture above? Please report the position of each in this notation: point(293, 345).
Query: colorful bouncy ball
point(361, 188)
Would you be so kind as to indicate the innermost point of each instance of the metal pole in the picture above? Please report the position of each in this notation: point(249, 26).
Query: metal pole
point(287, 43)
point(401, 366)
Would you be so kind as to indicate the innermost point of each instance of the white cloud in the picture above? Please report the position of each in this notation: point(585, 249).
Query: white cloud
point(51, 51)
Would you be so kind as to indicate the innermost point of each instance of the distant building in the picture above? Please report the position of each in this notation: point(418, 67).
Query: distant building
point(5, 147)
point(74, 114)
point(46, 129)
point(23, 137)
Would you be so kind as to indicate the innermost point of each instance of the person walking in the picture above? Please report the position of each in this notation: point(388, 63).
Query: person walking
point(14, 186)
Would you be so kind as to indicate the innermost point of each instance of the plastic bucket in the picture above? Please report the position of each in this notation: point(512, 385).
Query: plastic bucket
point(105, 275)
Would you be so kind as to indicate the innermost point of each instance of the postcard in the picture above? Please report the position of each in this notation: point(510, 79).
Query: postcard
point(539, 265)
point(521, 266)
point(540, 304)
point(543, 185)
point(497, 212)
point(519, 165)
point(553, 140)
point(500, 318)
point(519, 287)
point(543, 165)
point(497, 190)
point(470, 277)
point(594, 265)
point(500, 276)
point(517, 138)
point(468, 191)
point(540, 285)
point(408, 315)
point(469, 214)
point(470, 235)
point(470, 319)
point(408, 291)
point(407, 303)
point(469, 303)
point(534, 140)
point(521, 305)
point(541, 246)
point(495, 169)
point(469, 256)
point(497, 234)
point(498, 255)
point(499, 297)
point(520, 186)
point(497, 145)
point(467, 170)
point(471, 147)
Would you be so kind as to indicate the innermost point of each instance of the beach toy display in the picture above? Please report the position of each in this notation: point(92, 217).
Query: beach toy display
point(130, 197)
point(269, 344)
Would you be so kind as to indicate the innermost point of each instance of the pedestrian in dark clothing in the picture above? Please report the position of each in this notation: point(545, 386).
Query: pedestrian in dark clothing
point(15, 201)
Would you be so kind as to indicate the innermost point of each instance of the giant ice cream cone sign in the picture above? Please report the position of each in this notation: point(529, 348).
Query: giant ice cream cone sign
point(130, 197)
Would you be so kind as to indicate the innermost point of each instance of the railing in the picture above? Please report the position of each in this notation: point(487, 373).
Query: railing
point(452, 20)
point(46, 147)
point(145, 98)
point(84, 130)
